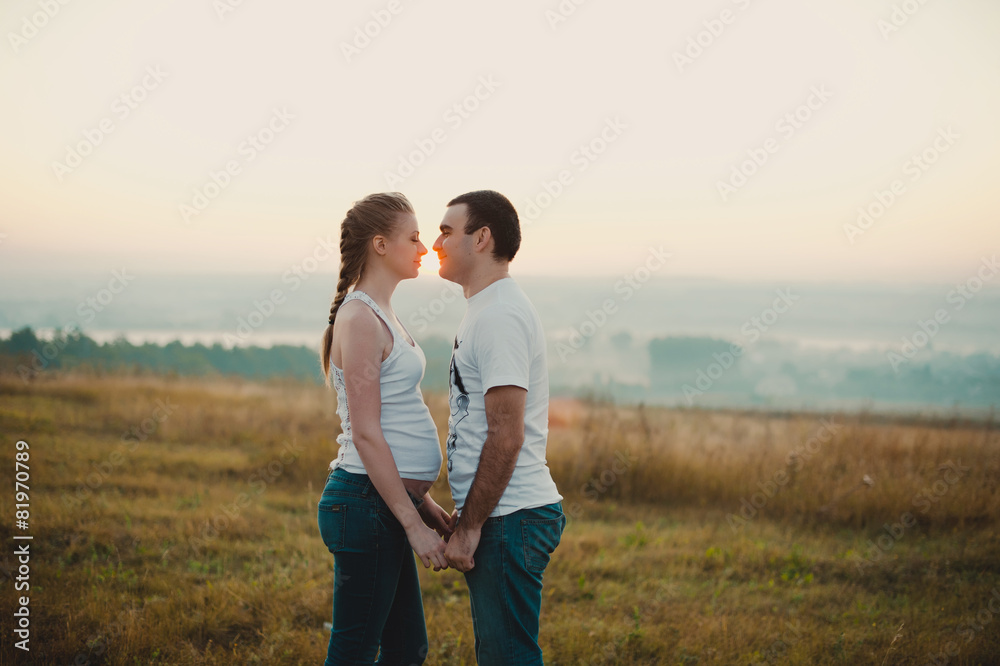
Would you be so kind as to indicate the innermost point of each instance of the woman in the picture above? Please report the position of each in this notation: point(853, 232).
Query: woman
point(375, 506)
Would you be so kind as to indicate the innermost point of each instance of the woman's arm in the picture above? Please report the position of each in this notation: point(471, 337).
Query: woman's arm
point(360, 337)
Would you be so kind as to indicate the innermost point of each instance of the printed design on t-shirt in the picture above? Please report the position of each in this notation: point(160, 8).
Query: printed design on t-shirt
point(458, 402)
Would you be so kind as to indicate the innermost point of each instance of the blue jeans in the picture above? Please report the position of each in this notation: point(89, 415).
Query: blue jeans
point(505, 585)
point(376, 592)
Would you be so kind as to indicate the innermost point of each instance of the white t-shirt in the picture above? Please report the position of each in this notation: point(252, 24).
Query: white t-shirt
point(406, 422)
point(500, 342)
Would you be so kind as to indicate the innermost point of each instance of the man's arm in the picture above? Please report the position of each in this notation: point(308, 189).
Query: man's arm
point(504, 438)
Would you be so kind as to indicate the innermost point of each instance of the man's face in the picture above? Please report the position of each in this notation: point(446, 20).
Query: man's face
point(454, 246)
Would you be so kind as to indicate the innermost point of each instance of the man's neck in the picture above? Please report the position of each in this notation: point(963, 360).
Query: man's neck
point(483, 280)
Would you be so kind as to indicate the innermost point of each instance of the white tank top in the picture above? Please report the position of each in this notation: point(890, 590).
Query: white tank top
point(406, 421)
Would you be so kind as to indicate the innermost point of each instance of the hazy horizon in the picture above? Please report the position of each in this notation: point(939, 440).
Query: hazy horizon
point(664, 341)
point(658, 306)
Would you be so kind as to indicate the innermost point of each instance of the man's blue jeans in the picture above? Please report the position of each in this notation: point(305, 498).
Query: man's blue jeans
point(505, 585)
point(376, 592)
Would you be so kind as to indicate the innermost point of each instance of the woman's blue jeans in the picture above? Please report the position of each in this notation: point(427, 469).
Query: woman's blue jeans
point(377, 609)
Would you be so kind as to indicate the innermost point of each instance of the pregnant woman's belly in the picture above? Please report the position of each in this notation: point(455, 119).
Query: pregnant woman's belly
point(416, 487)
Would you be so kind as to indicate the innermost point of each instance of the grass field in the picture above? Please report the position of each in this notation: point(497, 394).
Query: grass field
point(174, 522)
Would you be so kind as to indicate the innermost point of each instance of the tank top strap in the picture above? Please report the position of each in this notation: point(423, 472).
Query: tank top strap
point(370, 302)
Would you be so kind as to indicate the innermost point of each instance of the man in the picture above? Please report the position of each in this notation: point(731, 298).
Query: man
point(508, 516)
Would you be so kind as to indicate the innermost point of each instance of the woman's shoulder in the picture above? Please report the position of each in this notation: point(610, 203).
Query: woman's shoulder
point(355, 313)
point(355, 318)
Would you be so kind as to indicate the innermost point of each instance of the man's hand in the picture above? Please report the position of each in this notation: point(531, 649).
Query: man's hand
point(461, 546)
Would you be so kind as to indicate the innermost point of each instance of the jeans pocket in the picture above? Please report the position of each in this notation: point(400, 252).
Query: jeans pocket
point(332, 519)
point(541, 536)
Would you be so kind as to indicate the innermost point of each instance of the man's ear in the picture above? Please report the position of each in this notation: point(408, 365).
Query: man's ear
point(483, 237)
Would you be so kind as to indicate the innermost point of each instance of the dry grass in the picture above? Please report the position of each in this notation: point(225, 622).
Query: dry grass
point(199, 545)
point(810, 469)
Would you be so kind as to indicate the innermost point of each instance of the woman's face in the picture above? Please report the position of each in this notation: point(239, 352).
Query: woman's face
point(404, 248)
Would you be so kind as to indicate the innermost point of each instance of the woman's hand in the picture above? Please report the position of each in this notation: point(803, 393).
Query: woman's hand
point(428, 546)
point(435, 517)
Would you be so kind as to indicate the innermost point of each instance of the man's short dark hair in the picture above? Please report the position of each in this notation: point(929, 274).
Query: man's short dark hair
point(487, 208)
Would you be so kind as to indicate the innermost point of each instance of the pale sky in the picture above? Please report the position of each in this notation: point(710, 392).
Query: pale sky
point(200, 77)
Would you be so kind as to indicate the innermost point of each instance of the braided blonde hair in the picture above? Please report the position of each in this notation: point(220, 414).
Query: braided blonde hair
point(375, 215)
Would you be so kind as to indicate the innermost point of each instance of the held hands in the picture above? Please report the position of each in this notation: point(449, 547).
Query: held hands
point(435, 518)
point(462, 545)
point(428, 546)
point(426, 539)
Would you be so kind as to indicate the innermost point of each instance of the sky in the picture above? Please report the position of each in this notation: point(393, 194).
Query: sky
point(742, 137)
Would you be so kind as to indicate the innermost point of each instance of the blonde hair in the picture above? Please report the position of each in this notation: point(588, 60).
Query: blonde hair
point(375, 215)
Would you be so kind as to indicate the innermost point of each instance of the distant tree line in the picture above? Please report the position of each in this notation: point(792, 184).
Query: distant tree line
point(27, 355)
point(694, 371)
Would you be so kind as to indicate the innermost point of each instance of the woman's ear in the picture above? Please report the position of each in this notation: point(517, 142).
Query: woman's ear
point(379, 244)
